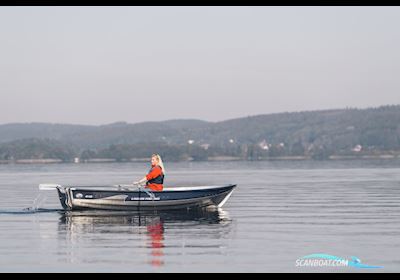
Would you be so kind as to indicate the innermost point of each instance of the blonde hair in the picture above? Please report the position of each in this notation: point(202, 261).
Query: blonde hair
point(160, 162)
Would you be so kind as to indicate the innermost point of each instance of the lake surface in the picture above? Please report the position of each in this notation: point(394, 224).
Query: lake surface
point(280, 212)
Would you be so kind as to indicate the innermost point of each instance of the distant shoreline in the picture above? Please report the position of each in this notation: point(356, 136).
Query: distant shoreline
point(321, 135)
point(211, 159)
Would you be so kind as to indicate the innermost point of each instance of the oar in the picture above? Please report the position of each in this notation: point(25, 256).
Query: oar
point(146, 191)
point(49, 187)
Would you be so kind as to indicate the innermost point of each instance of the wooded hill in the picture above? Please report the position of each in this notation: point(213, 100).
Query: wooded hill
point(315, 134)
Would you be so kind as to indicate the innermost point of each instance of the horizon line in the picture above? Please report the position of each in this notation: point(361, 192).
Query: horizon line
point(200, 120)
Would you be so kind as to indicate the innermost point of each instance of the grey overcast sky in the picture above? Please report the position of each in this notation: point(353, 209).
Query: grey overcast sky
point(98, 65)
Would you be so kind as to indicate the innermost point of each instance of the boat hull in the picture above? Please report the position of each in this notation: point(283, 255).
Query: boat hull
point(80, 198)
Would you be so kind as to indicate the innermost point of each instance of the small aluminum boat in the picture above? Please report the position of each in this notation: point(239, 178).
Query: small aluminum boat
point(131, 197)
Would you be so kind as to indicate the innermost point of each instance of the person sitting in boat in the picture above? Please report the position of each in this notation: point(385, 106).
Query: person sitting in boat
point(155, 178)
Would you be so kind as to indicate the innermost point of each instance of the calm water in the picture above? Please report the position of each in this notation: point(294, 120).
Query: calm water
point(281, 211)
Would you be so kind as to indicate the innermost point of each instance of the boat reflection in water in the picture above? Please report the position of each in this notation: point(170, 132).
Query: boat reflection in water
point(145, 231)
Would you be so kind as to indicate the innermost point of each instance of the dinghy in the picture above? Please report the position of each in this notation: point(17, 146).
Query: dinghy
point(136, 197)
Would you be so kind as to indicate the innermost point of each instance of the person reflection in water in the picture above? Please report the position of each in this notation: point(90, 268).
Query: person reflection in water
point(155, 231)
point(155, 178)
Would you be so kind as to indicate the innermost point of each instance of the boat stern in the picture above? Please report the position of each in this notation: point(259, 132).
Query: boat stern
point(63, 194)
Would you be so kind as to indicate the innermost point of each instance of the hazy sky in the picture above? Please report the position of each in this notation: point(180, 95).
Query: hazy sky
point(98, 65)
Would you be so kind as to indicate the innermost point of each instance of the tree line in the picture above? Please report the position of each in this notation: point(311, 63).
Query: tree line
point(312, 134)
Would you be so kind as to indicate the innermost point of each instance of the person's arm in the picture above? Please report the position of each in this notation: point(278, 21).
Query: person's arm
point(141, 181)
point(154, 173)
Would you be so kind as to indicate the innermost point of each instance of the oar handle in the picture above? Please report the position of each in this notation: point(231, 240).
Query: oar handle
point(49, 187)
point(149, 193)
point(138, 184)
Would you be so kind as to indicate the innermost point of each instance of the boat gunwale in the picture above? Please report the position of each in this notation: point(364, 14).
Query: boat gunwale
point(114, 188)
